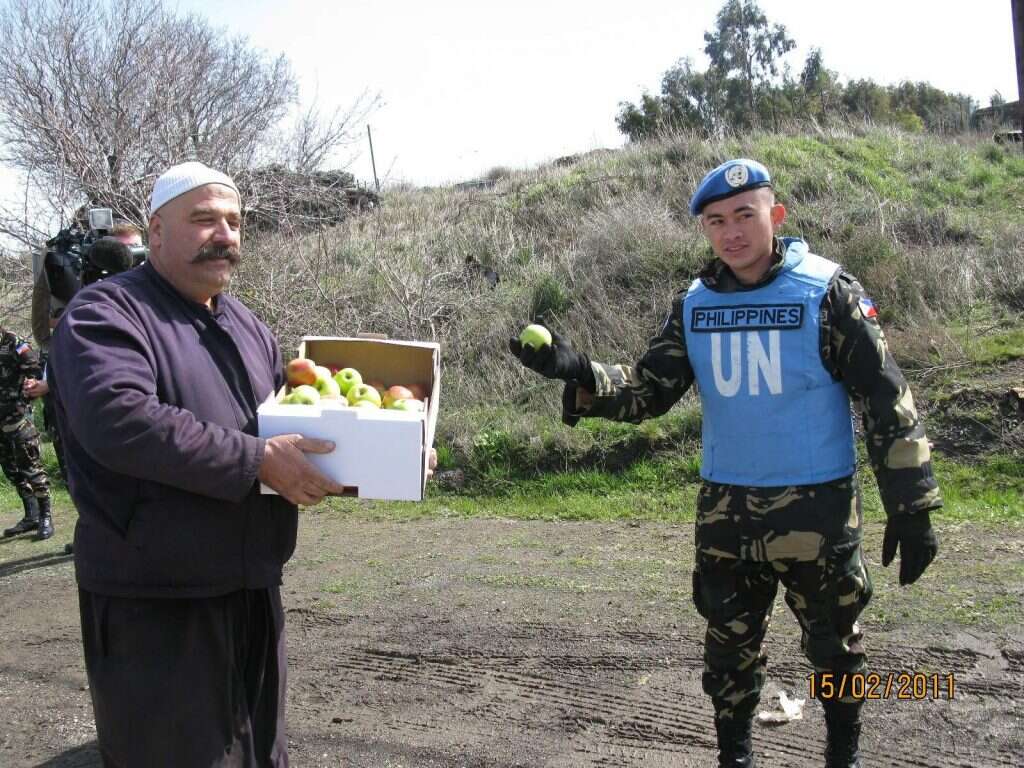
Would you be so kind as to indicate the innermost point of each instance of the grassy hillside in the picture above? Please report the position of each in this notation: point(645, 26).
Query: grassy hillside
point(933, 227)
point(596, 249)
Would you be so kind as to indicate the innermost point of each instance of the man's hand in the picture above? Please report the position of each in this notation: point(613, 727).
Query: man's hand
point(431, 463)
point(33, 388)
point(557, 360)
point(285, 469)
point(917, 543)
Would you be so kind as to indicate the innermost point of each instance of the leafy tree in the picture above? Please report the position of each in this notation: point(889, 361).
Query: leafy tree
point(819, 87)
point(743, 86)
point(689, 99)
point(744, 50)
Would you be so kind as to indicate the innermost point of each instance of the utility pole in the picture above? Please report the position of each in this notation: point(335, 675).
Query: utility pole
point(1018, 43)
point(377, 184)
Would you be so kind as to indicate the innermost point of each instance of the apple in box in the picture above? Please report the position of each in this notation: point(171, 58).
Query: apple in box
point(379, 453)
point(301, 371)
point(348, 378)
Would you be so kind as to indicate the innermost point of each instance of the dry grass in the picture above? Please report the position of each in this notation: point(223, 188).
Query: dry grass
point(932, 227)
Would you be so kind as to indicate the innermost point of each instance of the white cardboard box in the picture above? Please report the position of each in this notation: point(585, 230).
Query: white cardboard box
point(378, 454)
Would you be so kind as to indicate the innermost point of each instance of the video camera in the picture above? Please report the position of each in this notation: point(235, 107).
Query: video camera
point(76, 257)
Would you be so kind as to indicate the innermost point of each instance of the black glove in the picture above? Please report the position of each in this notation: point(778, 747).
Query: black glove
point(916, 540)
point(557, 360)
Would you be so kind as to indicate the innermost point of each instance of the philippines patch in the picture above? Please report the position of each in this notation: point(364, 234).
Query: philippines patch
point(22, 348)
point(867, 307)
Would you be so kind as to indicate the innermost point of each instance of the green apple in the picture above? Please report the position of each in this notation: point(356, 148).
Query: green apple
point(535, 336)
point(347, 378)
point(408, 404)
point(303, 394)
point(365, 404)
point(363, 392)
point(325, 383)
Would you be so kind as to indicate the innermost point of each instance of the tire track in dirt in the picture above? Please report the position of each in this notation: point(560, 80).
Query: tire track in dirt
point(607, 724)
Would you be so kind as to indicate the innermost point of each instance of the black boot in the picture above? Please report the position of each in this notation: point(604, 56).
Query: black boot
point(29, 522)
point(842, 723)
point(735, 749)
point(45, 530)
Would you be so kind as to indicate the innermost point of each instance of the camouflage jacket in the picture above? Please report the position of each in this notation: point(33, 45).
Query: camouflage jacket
point(18, 361)
point(852, 349)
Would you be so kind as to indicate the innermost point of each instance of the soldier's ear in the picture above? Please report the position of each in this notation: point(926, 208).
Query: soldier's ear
point(778, 214)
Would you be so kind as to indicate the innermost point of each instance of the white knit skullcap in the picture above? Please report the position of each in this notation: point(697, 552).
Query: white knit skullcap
point(179, 179)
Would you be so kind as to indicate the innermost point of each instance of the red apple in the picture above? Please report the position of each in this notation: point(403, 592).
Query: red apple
point(301, 371)
point(419, 391)
point(397, 392)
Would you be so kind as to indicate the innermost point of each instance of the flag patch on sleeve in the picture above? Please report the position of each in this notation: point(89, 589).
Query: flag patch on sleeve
point(867, 307)
point(22, 348)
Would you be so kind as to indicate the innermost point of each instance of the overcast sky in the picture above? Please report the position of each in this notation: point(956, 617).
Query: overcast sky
point(468, 85)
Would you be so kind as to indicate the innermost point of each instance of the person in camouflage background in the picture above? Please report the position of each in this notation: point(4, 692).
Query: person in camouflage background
point(19, 441)
point(780, 342)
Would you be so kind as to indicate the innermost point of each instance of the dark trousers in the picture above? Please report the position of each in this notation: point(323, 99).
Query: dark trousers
point(50, 422)
point(187, 683)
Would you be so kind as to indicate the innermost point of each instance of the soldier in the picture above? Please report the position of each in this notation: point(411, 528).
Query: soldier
point(19, 441)
point(780, 341)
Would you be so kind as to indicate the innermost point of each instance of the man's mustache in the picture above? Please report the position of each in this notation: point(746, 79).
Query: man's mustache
point(211, 252)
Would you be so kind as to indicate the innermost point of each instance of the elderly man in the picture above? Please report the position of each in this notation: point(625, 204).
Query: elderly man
point(157, 375)
point(780, 341)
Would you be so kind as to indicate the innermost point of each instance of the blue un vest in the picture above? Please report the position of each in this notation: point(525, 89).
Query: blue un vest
point(772, 414)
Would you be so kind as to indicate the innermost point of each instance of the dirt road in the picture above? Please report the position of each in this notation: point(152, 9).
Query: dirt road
point(494, 643)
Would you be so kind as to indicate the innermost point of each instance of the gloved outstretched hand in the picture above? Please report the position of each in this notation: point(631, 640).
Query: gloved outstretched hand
point(917, 543)
point(557, 360)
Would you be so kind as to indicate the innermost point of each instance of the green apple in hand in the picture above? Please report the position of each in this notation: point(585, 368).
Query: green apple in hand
point(535, 336)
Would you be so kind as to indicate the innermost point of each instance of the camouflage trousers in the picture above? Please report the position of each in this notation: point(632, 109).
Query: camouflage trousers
point(21, 461)
point(736, 598)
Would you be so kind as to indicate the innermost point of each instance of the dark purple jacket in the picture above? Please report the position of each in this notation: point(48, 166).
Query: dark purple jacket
point(156, 403)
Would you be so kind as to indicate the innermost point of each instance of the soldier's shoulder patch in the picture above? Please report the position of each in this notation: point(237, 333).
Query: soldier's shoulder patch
point(867, 307)
point(22, 348)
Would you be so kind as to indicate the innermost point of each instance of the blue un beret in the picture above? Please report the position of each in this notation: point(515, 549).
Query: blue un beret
point(728, 179)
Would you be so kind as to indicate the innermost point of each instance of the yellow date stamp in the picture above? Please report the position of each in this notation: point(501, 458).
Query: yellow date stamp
point(865, 686)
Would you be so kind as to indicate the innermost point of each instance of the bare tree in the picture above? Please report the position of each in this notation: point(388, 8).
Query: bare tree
point(314, 137)
point(99, 96)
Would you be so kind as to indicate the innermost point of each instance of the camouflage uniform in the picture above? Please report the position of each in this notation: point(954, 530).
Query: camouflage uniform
point(19, 441)
point(748, 539)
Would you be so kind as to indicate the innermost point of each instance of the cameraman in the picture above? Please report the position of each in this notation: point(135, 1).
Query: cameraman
point(46, 311)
